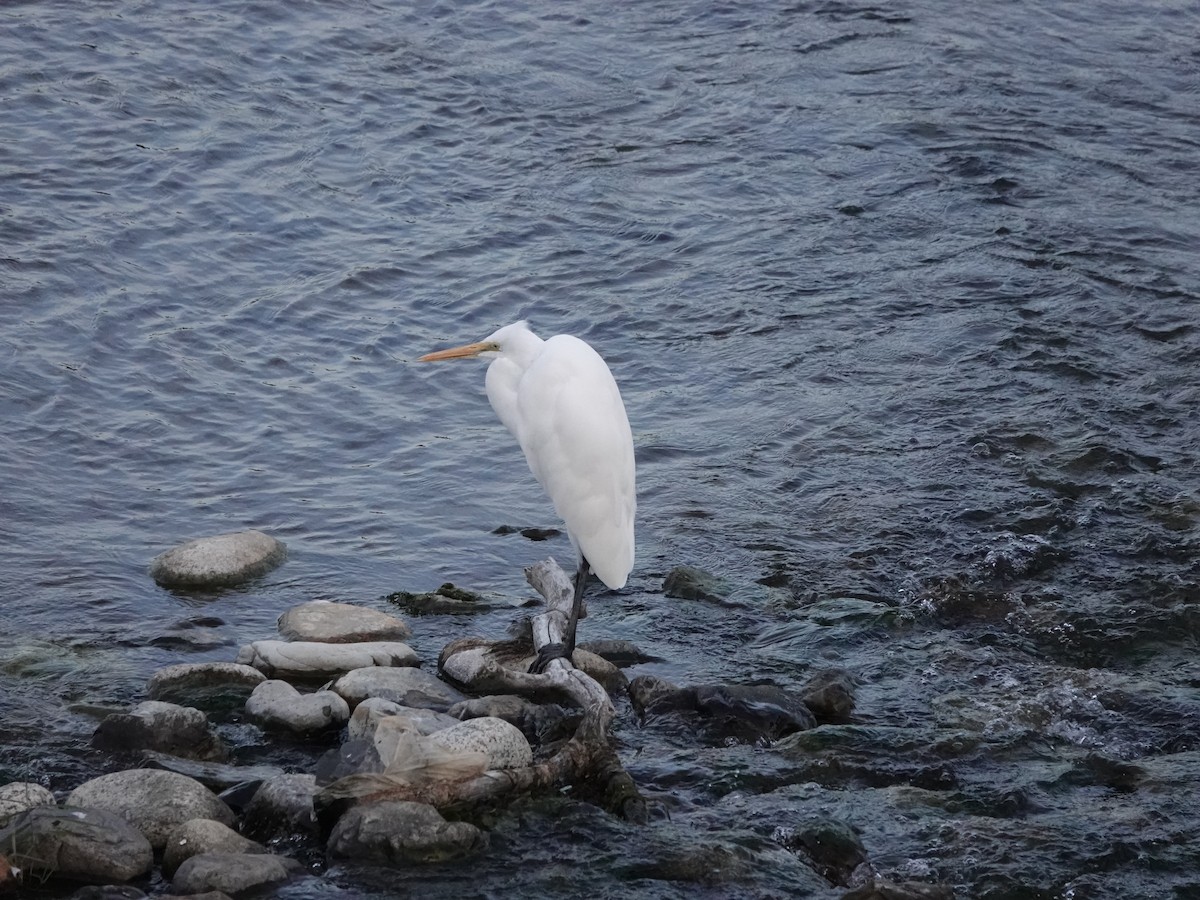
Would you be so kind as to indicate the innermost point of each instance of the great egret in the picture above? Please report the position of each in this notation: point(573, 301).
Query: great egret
point(562, 404)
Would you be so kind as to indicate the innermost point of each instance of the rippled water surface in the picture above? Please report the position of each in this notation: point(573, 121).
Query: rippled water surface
point(903, 302)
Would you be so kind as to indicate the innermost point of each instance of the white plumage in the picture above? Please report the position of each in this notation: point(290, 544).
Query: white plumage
point(562, 404)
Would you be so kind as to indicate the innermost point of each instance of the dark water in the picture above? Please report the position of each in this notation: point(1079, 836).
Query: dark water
point(903, 302)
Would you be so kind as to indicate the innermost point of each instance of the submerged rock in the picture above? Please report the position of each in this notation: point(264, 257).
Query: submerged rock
point(690, 583)
point(833, 849)
point(231, 873)
point(198, 836)
point(282, 808)
point(315, 660)
point(153, 800)
point(163, 727)
point(446, 599)
point(829, 694)
point(746, 711)
point(276, 704)
point(406, 686)
point(19, 796)
point(92, 845)
point(340, 623)
point(220, 561)
point(400, 832)
point(215, 686)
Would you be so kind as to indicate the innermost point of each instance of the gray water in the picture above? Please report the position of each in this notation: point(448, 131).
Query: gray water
point(902, 299)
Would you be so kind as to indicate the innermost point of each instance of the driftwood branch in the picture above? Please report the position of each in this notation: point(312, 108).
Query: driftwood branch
point(588, 756)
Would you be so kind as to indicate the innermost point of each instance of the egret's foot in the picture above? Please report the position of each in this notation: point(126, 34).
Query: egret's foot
point(547, 655)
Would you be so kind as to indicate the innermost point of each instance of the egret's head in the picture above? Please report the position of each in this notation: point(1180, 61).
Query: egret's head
point(515, 339)
point(482, 349)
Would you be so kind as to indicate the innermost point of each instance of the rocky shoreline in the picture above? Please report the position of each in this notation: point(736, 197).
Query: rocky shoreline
point(382, 736)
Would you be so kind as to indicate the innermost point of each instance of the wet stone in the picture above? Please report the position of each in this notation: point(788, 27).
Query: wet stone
point(214, 686)
point(220, 561)
point(155, 801)
point(198, 836)
point(690, 583)
point(340, 623)
point(163, 727)
point(93, 845)
point(282, 808)
point(446, 599)
point(276, 704)
point(406, 686)
point(231, 873)
point(747, 712)
point(400, 832)
point(315, 660)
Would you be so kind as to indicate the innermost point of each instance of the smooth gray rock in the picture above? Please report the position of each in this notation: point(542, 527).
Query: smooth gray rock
point(282, 808)
point(340, 623)
point(219, 561)
point(315, 660)
point(368, 713)
point(152, 800)
point(231, 873)
point(91, 845)
point(399, 832)
point(163, 727)
point(209, 686)
point(406, 686)
point(276, 704)
point(19, 796)
point(503, 744)
point(198, 836)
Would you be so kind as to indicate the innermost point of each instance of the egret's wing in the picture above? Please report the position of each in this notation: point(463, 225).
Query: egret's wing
point(572, 426)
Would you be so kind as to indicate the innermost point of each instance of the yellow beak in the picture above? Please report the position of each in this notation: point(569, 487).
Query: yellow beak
point(464, 352)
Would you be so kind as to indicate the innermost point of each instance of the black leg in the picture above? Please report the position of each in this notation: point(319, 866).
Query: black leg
point(567, 647)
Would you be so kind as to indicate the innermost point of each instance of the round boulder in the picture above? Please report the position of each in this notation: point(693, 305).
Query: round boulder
point(152, 800)
point(198, 836)
point(399, 832)
point(503, 744)
point(219, 561)
point(276, 704)
point(230, 873)
point(90, 845)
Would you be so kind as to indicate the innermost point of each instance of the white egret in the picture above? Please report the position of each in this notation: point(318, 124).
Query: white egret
point(562, 404)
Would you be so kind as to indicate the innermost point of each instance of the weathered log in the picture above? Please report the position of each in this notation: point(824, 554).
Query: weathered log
point(588, 756)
